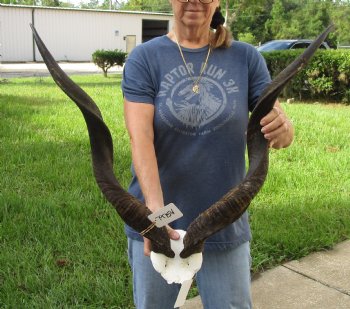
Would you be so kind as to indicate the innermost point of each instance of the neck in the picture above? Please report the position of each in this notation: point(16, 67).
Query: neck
point(190, 37)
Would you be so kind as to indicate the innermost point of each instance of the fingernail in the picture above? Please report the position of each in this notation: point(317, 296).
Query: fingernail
point(263, 130)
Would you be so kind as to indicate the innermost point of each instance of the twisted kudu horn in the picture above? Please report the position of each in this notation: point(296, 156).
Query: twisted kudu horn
point(131, 210)
point(232, 205)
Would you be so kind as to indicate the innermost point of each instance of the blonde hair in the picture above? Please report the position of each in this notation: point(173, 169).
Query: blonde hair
point(221, 38)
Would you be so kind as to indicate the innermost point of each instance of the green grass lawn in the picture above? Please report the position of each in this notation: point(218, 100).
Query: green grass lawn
point(63, 246)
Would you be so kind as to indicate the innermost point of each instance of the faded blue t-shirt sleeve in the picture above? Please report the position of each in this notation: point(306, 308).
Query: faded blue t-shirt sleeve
point(259, 76)
point(137, 83)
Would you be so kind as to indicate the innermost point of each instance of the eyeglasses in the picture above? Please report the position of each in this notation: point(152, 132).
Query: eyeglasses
point(201, 1)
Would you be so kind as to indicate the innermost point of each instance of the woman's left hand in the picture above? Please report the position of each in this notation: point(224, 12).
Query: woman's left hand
point(277, 128)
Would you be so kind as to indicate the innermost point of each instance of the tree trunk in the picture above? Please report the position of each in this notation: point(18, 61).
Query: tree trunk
point(226, 12)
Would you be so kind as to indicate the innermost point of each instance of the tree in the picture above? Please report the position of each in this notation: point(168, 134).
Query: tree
point(340, 15)
point(55, 3)
point(271, 19)
point(148, 5)
point(92, 4)
point(249, 17)
point(276, 24)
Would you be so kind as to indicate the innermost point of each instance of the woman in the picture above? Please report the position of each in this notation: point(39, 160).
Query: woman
point(187, 99)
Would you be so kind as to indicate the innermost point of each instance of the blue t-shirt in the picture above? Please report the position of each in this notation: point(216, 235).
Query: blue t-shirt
point(200, 139)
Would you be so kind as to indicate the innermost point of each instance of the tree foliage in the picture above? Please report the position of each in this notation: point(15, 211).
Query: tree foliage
point(285, 19)
point(147, 5)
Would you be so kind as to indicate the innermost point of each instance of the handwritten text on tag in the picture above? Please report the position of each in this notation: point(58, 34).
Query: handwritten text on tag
point(166, 215)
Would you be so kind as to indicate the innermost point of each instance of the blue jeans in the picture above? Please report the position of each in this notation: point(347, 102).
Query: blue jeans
point(223, 281)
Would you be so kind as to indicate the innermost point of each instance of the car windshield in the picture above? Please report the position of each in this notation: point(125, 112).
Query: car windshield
point(276, 45)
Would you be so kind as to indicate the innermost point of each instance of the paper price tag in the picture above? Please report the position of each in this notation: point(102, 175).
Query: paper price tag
point(181, 298)
point(166, 215)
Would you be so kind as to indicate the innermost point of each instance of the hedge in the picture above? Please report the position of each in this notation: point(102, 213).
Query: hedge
point(105, 59)
point(325, 78)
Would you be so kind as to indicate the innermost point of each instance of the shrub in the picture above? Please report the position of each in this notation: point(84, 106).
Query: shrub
point(326, 77)
point(247, 37)
point(105, 59)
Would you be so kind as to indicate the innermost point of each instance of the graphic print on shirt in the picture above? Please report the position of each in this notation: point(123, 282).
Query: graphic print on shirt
point(193, 113)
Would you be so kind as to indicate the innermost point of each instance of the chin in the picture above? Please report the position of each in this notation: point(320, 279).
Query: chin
point(193, 22)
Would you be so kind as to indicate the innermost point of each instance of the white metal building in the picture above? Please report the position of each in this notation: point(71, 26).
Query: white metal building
point(74, 34)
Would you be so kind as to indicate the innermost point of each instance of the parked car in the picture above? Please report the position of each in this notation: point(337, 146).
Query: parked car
point(287, 44)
